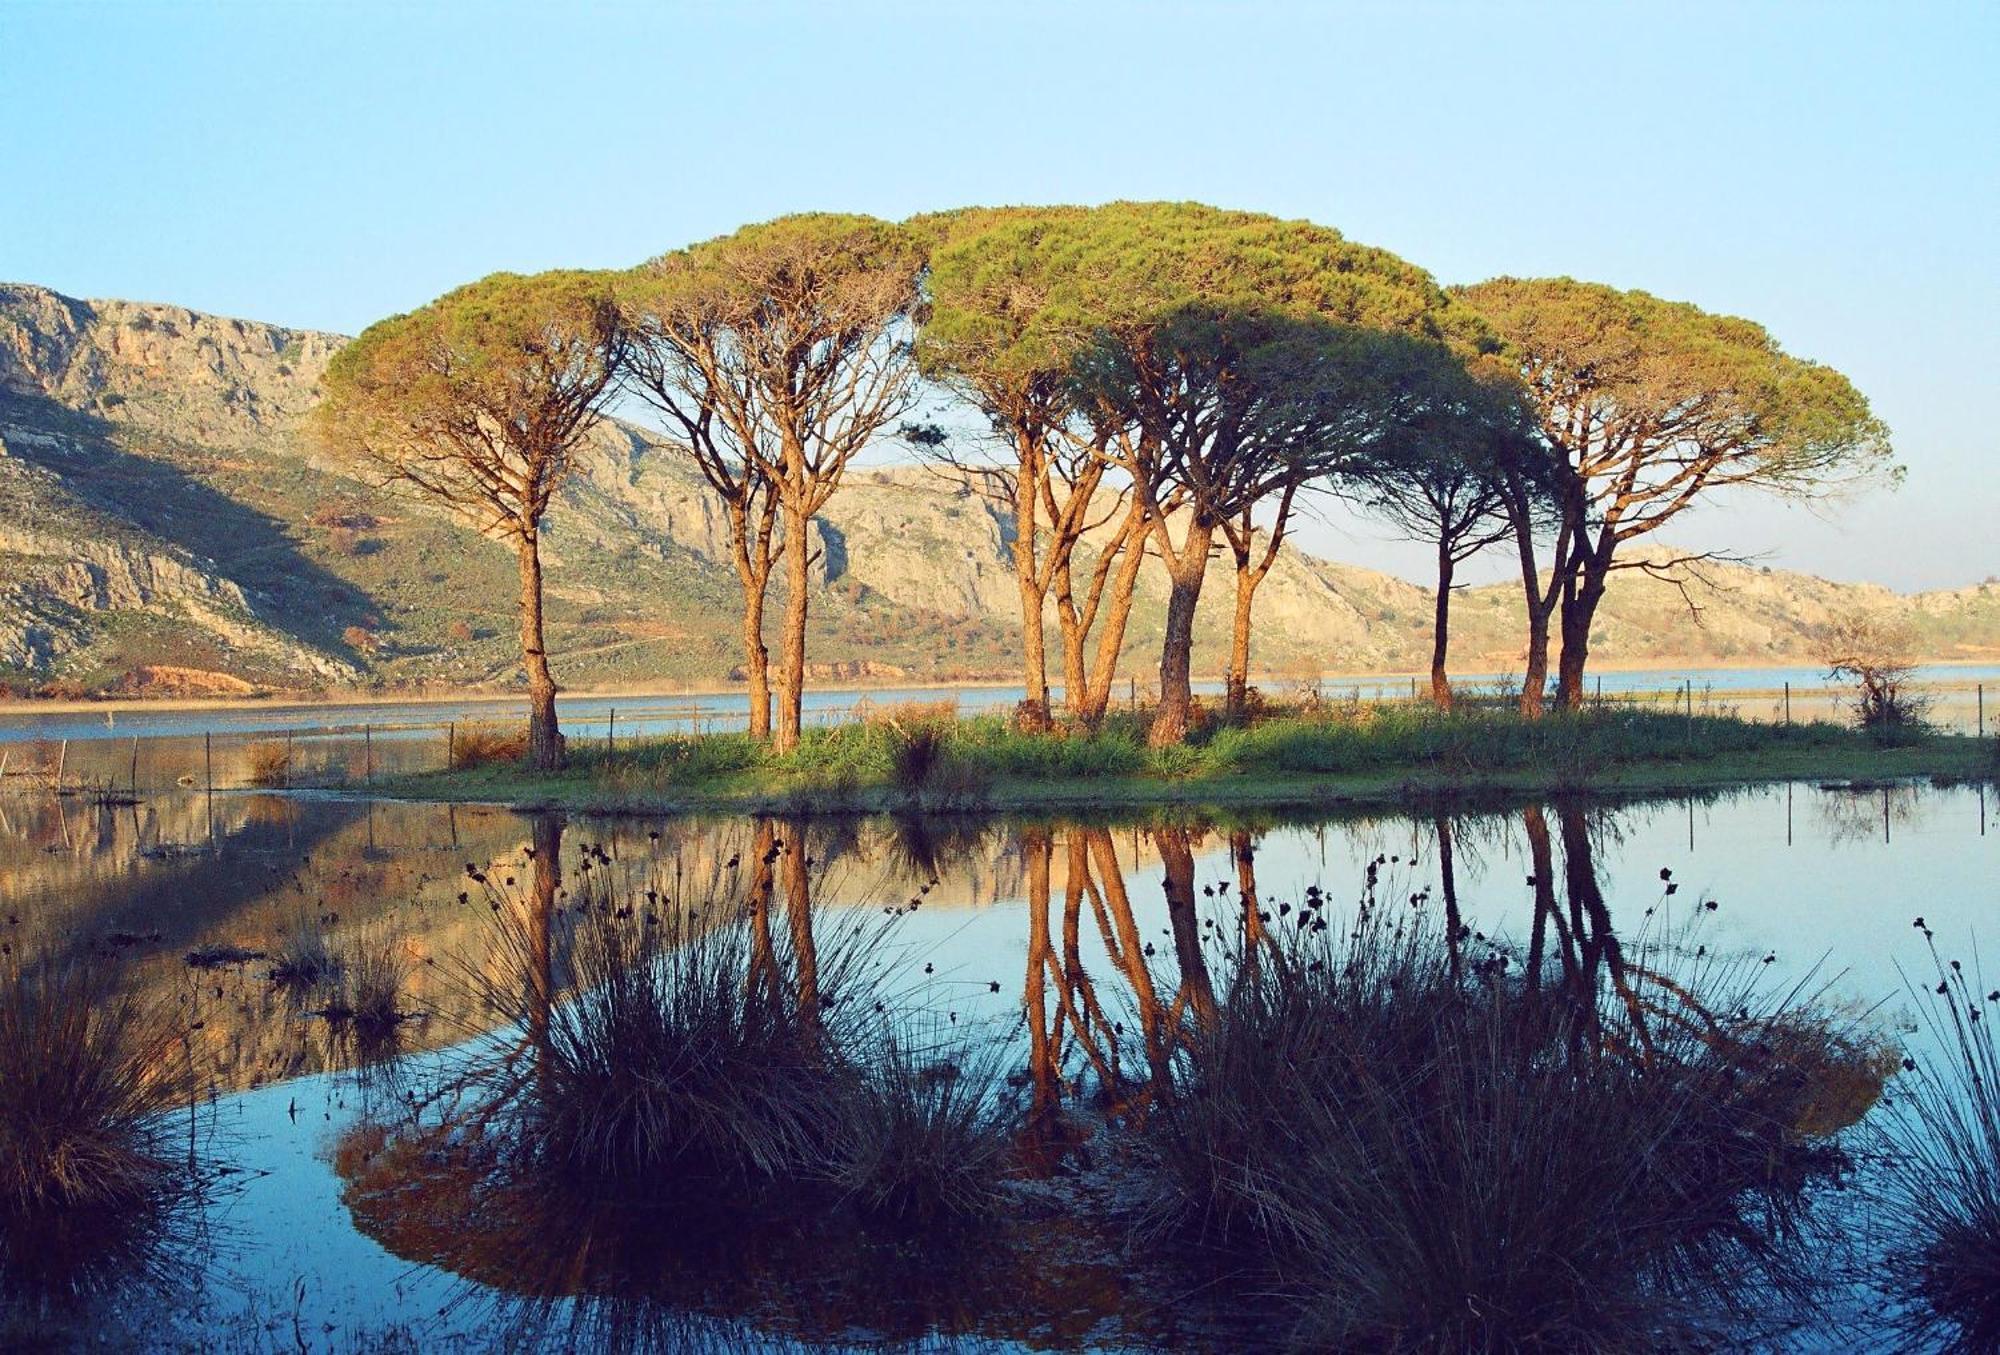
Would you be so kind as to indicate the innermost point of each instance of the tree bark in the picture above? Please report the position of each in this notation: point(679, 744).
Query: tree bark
point(545, 740)
point(1238, 681)
point(1027, 575)
point(1535, 674)
point(1170, 722)
point(798, 573)
point(1441, 632)
point(1579, 609)
point(757, 663)
point(1093, 698)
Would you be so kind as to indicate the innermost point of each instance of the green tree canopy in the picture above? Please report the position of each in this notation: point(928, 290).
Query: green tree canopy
point(1649, 406)
point(774, 356)
point(480, 400)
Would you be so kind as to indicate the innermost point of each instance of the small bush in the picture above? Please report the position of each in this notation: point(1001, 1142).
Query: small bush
point(270, 764)
point(920, 1141)
point(304, 959)
point(371, 978)
point(480, 745)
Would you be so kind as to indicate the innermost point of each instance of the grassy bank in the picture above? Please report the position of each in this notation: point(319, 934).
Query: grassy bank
point(924, 759)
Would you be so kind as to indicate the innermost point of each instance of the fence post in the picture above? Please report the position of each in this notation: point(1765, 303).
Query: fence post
point(132, 783)
point(208, 758)
point(1788, 704)
point(62, 762)
point(1981, 690)
point(611, 737)
point(291, 766)
point(367, 754)
point(451, 746)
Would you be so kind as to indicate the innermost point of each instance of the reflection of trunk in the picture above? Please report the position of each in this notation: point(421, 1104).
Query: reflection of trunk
point(1542, 862)
point(545, 741)
point(1598, 946)
point(798, 915)
point(1123, 942)
point(798, 575)
point(763, 982)
point(1245, 856)
point(1176, 846)
point(543, 880)
point(1448, 886)
point(1044, 1026)
point(1185, 573)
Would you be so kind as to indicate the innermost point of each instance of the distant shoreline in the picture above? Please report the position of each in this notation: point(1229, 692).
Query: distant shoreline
point(285, 700)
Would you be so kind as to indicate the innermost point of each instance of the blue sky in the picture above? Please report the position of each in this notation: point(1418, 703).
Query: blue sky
point(1830, 170)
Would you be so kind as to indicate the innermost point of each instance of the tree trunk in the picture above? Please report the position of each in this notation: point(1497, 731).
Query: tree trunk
point(545, 740)
point(1034, 651)
point(1578, 610)
point(1237, 683)
point(1170, 722)
point(1034, 645)
point(1535, 675)
point(757, 660)
point(1124, 581)
point(1441, 633)
point(791, 685)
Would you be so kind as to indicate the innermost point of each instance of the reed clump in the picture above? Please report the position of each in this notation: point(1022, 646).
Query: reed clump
point(89, 1165)
point(1427, 1154)
point(1935, 1192)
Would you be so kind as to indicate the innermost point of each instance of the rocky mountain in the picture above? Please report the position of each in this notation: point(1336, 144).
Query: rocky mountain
point(166, 522)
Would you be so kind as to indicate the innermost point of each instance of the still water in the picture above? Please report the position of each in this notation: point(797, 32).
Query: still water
point(1042, 934)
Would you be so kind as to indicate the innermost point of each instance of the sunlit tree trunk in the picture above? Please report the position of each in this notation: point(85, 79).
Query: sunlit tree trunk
point(545, 740)
point(798, 576)
point(1185, 571)
point(1441, 631)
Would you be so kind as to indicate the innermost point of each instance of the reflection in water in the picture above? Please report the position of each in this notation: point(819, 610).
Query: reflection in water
point(1131, 946)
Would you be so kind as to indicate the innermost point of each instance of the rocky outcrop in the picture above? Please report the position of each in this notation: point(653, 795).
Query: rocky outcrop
point(202, 379)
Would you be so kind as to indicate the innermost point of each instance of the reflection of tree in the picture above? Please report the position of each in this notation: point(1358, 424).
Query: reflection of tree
point(1854, 815)
point(1196, 993)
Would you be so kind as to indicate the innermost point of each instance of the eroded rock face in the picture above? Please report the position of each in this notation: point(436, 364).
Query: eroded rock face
point(66, 567)
point(196, 378)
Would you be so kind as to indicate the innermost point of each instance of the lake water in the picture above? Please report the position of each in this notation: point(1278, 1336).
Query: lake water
point(1040, 933)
